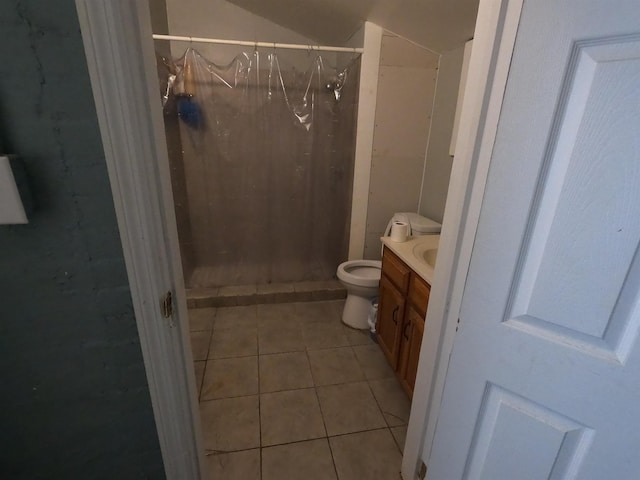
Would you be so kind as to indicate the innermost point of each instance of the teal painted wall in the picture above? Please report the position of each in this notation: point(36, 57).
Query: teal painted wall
point(75, 401)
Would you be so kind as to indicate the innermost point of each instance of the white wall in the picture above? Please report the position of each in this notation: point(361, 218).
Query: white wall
point(221, 19)
point(370, 36)
point(406, 87)
point(438, 161)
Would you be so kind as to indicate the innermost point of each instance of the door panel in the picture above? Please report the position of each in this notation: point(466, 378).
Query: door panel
point(586, 223)
point(390, 316)
point(510, 425)
point(543, 377)
point(413, 338)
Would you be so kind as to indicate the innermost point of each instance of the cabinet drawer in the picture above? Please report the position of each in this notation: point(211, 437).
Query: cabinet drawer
point(419, 291)
point(396, 270)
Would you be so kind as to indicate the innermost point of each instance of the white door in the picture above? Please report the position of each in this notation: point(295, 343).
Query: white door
point(544, 377)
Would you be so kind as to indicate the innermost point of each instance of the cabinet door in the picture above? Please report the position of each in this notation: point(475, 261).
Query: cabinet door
point(389, 322)
point(410, 343)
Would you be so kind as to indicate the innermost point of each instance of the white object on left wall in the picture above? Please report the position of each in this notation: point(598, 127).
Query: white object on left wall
point(12, 210)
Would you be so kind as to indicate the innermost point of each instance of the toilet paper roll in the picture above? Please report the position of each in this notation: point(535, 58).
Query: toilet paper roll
point(399, 231)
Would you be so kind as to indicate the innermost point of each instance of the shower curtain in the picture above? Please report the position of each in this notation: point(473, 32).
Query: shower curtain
point(266, 167)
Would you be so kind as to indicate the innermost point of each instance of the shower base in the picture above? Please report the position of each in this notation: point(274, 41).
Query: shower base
point(228, 296)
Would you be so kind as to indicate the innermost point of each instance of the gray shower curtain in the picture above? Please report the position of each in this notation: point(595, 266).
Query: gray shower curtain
point(267, 161)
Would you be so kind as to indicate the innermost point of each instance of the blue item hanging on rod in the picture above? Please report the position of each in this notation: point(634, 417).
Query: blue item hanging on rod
point(189, 111)
point(188, 108)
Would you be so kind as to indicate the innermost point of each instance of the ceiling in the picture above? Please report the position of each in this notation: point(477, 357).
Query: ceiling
point(439, 25)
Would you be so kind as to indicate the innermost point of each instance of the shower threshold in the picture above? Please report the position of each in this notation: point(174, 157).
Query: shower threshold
point(228, 296)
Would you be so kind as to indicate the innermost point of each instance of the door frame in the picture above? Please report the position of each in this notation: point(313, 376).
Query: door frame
point(493, 45)
point(121, 62)
point(120, 56)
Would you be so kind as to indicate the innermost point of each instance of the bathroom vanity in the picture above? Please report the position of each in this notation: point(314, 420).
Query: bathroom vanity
point(407, 272)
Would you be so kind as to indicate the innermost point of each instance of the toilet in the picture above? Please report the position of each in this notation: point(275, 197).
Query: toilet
point(361, 278)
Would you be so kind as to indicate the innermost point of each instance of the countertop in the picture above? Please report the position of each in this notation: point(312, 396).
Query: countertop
point(407, 253)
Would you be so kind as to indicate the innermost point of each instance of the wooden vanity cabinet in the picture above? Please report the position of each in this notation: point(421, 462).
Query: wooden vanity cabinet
point(402, 305)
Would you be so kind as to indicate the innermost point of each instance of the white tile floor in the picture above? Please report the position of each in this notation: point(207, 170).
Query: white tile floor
point(289, 392)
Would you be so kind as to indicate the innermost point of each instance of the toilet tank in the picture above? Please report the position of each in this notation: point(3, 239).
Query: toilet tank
point(422, 225)
point(419, 225)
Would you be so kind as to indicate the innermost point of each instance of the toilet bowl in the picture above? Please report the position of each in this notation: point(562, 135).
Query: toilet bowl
point(361, 278)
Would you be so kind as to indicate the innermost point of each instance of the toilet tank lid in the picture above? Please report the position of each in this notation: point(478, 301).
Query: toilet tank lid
point(422, 224)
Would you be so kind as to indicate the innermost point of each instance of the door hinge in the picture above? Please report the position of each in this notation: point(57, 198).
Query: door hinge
point(167, 305)
point(422, 473)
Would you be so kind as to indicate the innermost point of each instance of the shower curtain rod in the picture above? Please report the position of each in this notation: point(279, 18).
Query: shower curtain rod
point(292, 46)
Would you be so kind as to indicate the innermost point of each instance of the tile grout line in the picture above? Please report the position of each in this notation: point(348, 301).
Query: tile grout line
point(259, 396)
point(359, 431)
point(324, 423)
point(378, 404)
point(385, 417)
point(204, 372)
point(293, 389)
point(206, 360)
point(396, 442)
point(211, 335)
point(382, 411)
point(308, 440)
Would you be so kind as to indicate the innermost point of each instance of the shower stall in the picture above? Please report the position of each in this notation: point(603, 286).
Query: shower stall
point(262, 157)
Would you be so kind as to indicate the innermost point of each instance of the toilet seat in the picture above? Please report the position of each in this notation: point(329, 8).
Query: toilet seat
point(364, 273)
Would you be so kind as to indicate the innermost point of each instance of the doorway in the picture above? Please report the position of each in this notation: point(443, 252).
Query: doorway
point(140, 190)
point(283, 386)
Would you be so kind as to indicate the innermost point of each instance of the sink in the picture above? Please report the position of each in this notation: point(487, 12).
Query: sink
point(430, 257)
point(426, 254)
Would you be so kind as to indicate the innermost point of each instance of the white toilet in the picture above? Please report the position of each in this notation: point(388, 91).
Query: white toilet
point(361, 278)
